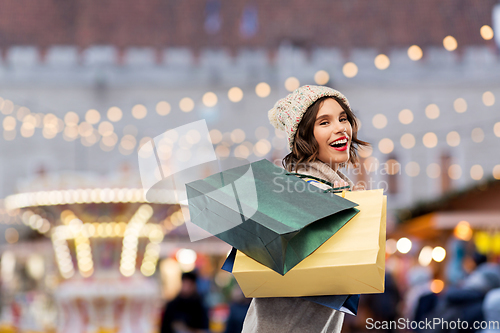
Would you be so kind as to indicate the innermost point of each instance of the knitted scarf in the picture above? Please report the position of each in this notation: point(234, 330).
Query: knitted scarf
point(323, 171)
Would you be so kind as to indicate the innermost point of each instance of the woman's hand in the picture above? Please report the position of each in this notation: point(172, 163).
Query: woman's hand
point(358, 187)
point(342, 183)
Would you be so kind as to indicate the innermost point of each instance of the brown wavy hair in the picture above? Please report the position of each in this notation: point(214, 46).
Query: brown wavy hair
point(305, 147)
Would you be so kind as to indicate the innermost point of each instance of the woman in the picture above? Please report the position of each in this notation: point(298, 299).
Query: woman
point(322, 136)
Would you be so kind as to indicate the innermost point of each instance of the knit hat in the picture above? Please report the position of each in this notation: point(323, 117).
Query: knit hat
point(288, 112)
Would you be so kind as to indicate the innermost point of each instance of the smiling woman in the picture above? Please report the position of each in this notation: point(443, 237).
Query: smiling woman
point(321, 131)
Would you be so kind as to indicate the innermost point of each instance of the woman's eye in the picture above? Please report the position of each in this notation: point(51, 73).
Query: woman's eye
point(343, 119)
point(323, 123)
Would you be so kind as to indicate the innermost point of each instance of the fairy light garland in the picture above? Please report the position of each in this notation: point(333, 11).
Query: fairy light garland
point(87, 196)
point(131, 239)
point(104, 132)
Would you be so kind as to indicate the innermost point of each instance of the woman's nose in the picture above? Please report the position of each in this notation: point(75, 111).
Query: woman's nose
point(340, 128)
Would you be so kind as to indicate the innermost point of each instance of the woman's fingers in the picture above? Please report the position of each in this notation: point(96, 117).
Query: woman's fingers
point(341, 183)
point(359, 187)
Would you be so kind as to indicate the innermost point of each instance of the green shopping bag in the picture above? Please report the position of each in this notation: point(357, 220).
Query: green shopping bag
point(274, 218)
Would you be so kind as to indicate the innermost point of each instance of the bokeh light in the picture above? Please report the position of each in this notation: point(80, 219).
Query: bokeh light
point(350, 70)
point(476, 172)
point(404, 245)
point(163, 108)
point(386, 146)
point(455, 171)
point(415, 52)
point(430, 140)
point(292, 83)
point(463, 231)
point(235, 94)
point(392, 166)
point(437, 286)
point(105, 128)
point(496, 129)
point(391, 246)
point(222, 151)
point(22, 112)
point(9, 123)
point(321, 77)
point(92, 116)
point(70, 133)
point(425, 256)
point(186, 104)
point(407, 141)
point(432, 111)
point(365, 152)
point(238, 135)
point(405, 116)
point(71, 118)
point(477, 135)
point(241, 151)
point(139, 111)
point(412, 169)
point(496, 171)
point(379, 121)
point(209, 99)
point(450, 43)
point(433, 170)
point(438, 254)
point(11, 235)
point(382, 61)
point(262, 89)
point(460, 105)
point(215, 136)
point(85, 129)
point(7, 107)
point(262, 147)
point(488, 98)
point(453, 139)
point(114, 114)
point(186, 259)
point(486, 32)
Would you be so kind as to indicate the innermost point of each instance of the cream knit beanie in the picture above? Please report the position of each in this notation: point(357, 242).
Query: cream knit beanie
point(288, 112)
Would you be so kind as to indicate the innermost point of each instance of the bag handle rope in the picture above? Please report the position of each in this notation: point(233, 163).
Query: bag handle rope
point(330, 190)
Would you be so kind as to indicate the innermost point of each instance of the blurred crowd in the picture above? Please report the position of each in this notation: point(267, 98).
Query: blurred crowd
point(470, 294)
point(471, 298)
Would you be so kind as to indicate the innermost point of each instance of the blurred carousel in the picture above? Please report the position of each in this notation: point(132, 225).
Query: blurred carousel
point(106, 241)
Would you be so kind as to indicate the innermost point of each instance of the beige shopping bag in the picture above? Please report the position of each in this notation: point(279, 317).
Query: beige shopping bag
point(351, 262)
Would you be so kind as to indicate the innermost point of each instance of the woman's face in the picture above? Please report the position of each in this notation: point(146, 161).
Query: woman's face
point(332, 131)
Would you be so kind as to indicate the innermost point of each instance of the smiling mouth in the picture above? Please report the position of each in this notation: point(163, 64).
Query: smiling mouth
point(339, 143)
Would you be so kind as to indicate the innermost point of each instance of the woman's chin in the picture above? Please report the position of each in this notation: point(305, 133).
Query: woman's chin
point(336, 161)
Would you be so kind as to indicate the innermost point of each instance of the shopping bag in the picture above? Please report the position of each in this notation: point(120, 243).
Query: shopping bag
point(344, 303)
point(351, 262)
point(273, 218)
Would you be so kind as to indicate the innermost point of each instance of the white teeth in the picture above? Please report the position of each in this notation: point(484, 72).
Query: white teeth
point(339, 141)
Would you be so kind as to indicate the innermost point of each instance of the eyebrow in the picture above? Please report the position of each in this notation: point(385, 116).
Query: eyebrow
point(323, 116)
point(343, 113)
